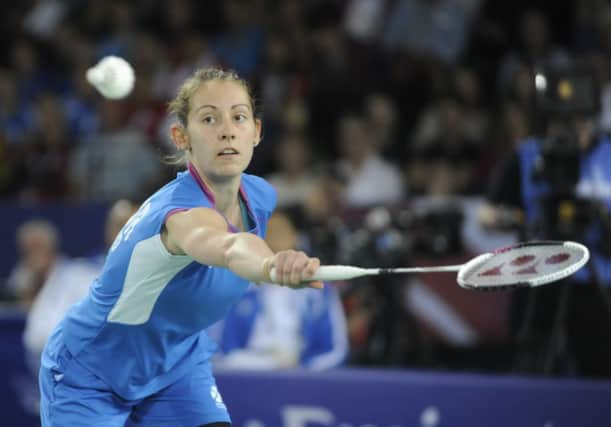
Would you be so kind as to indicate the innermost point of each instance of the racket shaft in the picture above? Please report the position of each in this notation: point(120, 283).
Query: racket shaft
point(347, 272)
point(433, 269)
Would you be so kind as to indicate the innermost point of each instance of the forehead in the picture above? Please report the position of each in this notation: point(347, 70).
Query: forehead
point(220, 93)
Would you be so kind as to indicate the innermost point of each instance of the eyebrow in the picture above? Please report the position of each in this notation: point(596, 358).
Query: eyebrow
point(214, 107)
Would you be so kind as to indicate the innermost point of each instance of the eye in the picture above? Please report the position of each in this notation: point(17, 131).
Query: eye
point(240, 117)
point(208, 120)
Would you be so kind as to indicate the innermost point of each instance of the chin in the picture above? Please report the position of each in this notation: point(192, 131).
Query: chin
point(230, 171)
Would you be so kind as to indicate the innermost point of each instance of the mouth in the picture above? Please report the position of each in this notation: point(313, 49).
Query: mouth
point(228, 152)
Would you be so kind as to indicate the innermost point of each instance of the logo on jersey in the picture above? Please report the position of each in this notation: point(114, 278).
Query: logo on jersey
point(216, 396)
point(127, 229)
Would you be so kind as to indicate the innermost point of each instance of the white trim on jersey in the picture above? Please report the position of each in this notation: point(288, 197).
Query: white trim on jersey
point(151, 267)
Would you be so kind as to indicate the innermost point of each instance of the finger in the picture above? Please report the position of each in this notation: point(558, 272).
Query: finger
point(300, 262)
point(280, 261)
point(311, 268)
point(285, 266)
point(316, 285)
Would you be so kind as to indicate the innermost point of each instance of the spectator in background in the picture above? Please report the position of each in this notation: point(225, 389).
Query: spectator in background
point(39, 256)
point(15, 122)
point(118, 215)
point(476, 119)
point(240, 46)
point(15, 115)
point(436, 30)
point(383, 122)
point(366, 177)
point(599, 55)
point(66, 284)
point(79, 100)
point(442, 155)
point(276, 328)
point(32, 77)
point(513, 127)
point(364, 19)
point(44, 17)
point(330, 91)
point(193, 51)
point(103, 167)
point(295, 176)
point(48, 152)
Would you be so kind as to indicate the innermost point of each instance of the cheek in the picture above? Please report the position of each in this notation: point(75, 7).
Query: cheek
point(249, 151)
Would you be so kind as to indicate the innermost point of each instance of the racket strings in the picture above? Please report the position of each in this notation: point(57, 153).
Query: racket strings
point(530, 264)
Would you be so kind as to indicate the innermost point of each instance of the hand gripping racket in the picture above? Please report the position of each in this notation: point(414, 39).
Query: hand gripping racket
point(527, 264)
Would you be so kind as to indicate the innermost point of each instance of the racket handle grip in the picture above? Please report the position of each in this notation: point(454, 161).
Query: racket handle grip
point(333, 272)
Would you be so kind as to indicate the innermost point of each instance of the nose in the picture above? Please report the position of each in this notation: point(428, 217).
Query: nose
point(227, 136)
point(227, 132)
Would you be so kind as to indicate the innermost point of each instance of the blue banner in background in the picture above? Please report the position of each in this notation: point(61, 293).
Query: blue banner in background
point(374, 398)
point(355, 397)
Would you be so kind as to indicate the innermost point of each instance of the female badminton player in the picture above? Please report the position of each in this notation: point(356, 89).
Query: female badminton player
point(134, 351)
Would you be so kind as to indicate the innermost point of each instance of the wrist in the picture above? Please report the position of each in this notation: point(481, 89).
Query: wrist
point(267, 268)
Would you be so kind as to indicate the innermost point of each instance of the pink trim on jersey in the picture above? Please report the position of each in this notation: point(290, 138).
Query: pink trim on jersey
point(201, 183)
point(210, 196)
point(172, 212)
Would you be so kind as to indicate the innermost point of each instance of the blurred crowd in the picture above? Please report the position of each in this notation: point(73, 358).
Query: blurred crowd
point(365, 102)
point(424, 95)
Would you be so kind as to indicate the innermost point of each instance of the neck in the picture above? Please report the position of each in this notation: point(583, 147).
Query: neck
point(226, 197)
point(224, 190)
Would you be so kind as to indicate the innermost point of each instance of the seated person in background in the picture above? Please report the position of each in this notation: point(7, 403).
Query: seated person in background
point(66, 284)
point(294, 180)
point(275, 328)
point(39, 256)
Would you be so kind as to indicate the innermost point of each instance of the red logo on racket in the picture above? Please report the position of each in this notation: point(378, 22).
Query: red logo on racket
point(557, 258)
point(526, 264)
point(523, 259)
point(495, 271)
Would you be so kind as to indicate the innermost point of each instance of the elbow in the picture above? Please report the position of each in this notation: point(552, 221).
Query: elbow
point(229, 249)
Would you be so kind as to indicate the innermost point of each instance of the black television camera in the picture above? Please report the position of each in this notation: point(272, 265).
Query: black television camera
point(392, 237)
point(563, 97)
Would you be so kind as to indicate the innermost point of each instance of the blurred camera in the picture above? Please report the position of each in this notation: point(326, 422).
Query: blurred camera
point(563, 91)
point(392, 238)
point(562, 95)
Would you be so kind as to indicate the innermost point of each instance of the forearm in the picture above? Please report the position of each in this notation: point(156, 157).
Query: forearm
point(202, 235)
point(246, 256)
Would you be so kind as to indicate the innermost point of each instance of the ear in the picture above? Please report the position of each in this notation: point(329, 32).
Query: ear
point(258, 128)
point(179, 137)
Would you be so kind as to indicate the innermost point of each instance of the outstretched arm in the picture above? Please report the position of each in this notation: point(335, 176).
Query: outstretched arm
point(202, 234)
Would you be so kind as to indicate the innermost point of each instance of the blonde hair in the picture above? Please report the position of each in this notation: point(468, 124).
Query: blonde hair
point(180, 106)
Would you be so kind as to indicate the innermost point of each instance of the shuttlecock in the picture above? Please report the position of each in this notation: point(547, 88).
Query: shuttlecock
point(113, 77)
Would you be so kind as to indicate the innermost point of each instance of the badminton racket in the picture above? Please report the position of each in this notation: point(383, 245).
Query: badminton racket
point(526, 264)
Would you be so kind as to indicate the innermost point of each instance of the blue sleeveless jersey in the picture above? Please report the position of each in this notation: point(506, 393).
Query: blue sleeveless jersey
point(141, 326)
point(594, 183)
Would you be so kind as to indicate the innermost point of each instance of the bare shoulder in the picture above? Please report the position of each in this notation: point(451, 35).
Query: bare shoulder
point(179, 226)
point(197, 217)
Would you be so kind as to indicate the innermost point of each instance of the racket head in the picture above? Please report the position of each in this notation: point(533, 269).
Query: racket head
point(526, 264)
